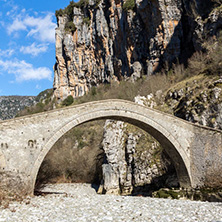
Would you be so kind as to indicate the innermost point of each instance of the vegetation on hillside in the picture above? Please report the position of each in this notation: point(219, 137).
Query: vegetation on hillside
point(129, 5)
point(45, 102)
point(76, 157)
point(70, 27)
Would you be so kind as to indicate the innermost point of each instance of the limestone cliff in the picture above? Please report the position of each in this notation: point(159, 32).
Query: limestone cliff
point(135, 162)
point(102, 41)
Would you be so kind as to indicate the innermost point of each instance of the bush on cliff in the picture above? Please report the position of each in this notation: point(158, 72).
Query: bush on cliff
point(81, 4)
point(129, 5)
point(68, 11)
point(59, 12)
point(68, 101)
point(70, 27)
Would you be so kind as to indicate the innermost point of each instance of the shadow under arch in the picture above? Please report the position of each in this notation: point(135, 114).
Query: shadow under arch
point(171, 145)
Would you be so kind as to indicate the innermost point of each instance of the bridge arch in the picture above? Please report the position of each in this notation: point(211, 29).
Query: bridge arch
point(169, 141)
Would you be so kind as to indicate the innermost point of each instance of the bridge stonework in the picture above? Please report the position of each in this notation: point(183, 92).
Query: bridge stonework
point(196, 151)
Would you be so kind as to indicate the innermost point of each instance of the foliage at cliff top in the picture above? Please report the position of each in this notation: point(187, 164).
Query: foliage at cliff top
point(129, 5)
point(69, 9)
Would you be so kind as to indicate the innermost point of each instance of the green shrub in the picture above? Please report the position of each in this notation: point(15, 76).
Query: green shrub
point(69, 10)
point(68, 101)
point(70, 27)
point(93, 91)
point(167, 194)
point(129, 5)
point(162, 194)
point(58, 13)
point(40, 106)
point(81, 4)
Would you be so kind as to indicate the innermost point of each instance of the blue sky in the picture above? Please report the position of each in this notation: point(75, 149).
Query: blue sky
point(27, 45)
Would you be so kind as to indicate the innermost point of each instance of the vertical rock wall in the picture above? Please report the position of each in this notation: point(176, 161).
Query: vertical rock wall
point(109, 43)
point(134, 159)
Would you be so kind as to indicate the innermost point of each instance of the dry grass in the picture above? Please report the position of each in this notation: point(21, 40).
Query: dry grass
point(127, 90)
point(76, 157)
point(6, 198)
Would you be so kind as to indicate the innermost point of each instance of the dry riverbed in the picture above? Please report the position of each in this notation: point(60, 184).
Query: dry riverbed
point(79, 202)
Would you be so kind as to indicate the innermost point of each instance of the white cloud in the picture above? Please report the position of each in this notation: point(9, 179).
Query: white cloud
point(7, 52)
point(24, 71)
point(41, 28)
point(34, 49)
point(17, 25)
point(13, 10)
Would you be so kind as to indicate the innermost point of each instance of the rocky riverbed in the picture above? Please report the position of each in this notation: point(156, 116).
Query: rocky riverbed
point(79, 202)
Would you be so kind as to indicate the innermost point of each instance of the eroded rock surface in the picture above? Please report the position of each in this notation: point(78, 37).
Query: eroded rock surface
point(135, 162)
point(198, 101)
point(112, 42)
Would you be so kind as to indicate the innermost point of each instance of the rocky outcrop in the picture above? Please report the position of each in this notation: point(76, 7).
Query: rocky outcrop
point(199, 100)
point(103, 41)
point(10, 106)
point(135, 162)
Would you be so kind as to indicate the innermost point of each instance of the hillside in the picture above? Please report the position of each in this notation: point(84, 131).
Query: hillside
point(10, 106)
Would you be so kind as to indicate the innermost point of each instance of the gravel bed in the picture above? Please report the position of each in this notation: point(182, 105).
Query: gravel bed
point(79, 202)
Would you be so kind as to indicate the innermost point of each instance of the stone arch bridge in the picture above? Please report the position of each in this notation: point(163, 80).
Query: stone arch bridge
point(196, 151)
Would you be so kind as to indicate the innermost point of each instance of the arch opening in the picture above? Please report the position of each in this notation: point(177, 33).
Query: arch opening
point(169, 144)
point(76, 157)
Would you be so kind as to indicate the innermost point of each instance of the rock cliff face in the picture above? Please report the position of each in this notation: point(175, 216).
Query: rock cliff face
point(103, 41)
point(135, 162)
point(198, 101)
point(11, 105)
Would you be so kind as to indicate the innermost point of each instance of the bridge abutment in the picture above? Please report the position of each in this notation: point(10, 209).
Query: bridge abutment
point(206, 159)
point(15, 185)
